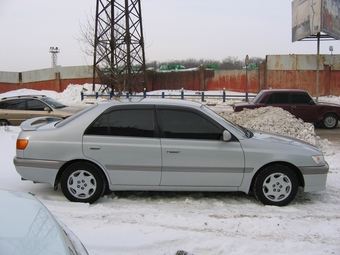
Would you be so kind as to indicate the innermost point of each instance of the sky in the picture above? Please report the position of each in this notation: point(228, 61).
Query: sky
point(148, 223)
point(173, 30)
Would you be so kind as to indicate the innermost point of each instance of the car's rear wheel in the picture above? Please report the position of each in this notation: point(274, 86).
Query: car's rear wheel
point(330, 121)
point(82, 182)
point(276, 185)
point(4, 123)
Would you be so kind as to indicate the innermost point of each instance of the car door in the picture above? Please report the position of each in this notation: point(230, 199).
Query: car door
point(193, 152)
point(36, 108)
point(279, 99)
point(14, 111)
point(126, 143)
point(303, 106)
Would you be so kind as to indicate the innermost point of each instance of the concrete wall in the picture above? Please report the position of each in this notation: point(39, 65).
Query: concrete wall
point(278, 71)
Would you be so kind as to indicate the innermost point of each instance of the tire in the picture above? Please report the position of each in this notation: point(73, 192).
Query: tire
point(4, 123)
point(330, 121)
point(82, 182)
point(276, 185)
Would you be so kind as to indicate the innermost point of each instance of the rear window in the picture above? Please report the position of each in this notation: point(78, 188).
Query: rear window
point(278, 98)
point(16, 104)
point(124, 122)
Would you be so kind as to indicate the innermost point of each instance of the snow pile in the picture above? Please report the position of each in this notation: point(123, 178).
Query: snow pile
point(275, 120)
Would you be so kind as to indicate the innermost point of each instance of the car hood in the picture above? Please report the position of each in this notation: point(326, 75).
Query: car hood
point(70, 109)
point(281, 139)
point(27, 227)
point(329, 104)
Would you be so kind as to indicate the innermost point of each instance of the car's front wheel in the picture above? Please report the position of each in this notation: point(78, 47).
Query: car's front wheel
point(330, 121)
point(82, 182)
point(276, 185)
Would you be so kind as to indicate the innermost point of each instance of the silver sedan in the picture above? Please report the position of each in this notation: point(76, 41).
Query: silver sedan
point(163, 144)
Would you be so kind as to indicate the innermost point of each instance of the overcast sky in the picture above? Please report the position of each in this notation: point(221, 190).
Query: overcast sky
point(173, 29)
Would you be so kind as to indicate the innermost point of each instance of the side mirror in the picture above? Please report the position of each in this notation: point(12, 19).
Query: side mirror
point(226, 136)
point(47, 109)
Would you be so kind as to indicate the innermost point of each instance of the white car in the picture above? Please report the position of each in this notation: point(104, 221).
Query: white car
point(164, 144)
point(27, 227)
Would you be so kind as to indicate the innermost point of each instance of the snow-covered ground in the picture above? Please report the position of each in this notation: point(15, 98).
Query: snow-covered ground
point(199, 223)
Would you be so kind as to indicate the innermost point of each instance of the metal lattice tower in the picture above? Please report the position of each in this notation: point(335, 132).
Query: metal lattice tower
point(119, 57)
point(54, 51)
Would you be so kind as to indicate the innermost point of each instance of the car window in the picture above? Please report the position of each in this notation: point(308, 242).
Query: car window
point(278, 98)
point(53, 103)
point(15, 104)
point(299, 99)
point(258, 98)
point(124, 122)
point(35, 105)
point(187, 125)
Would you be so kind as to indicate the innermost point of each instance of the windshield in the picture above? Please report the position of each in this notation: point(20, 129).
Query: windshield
point(240, 129)
point(53, 103)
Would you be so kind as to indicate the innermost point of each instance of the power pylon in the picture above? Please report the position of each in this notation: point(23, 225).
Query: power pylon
point(119, 57)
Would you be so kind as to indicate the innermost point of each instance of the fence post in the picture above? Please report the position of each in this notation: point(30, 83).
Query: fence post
point(144, 93)
point(96, 95)
point(127, 95)
point(223, 95)
point(163, 94)
point(111, 94)
point(81, 96)
point(182, 94)
point(202, 96)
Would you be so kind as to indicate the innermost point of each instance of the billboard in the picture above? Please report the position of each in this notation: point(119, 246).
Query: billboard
point(310, 17)
point(330, 18)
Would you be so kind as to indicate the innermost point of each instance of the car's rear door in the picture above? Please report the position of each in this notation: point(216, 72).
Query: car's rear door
point(279, 99)
point(15, 111)
point(126, 143)
point(194, 154)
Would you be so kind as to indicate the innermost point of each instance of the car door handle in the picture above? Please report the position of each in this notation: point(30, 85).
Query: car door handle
point(173, 151)
point(94, 147)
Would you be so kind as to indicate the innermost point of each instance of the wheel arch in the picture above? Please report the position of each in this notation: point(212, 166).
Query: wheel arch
point(67, 164)
point(5, 121)
point(290, 165)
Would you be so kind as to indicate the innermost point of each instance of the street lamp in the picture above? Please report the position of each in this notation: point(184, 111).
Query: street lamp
point(331, 50)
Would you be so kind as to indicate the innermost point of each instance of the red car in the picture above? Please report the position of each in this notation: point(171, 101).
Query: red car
point(297, 102)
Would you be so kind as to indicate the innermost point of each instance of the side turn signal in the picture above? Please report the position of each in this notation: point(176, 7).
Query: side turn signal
point(22, 144)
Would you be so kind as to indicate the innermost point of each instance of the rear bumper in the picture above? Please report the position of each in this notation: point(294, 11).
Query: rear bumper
point(37, 170)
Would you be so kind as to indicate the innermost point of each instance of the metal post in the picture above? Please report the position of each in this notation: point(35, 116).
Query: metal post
point(247, 63)
point(317, 67)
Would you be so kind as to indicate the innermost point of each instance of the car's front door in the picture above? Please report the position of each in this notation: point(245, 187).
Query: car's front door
point(194, 154)
point(303, 107)
point(36, 108)
point(124, 142)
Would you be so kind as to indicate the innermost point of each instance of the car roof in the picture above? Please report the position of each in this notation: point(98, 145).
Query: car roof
point(283, 90)
point(23, 96)
point(152, 101)
point(26, 223)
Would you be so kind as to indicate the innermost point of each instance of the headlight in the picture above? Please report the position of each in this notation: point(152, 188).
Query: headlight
point(319, 159)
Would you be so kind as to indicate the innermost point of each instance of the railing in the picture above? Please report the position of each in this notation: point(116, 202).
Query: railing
point(182, 95)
